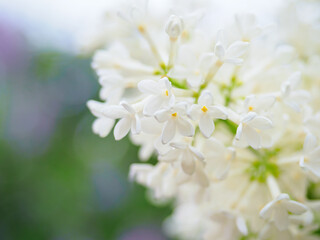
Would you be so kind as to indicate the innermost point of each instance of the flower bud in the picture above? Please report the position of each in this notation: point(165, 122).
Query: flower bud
point(174, 26)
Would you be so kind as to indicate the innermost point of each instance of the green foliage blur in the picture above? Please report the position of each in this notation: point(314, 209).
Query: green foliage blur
point(57, 179)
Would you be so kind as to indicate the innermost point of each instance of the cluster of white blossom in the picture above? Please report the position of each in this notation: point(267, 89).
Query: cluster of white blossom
point(232, 115)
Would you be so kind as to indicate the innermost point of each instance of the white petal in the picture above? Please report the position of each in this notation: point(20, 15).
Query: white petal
point(266, 140)
point(96, 107)
point(179, 145)
point(242, 226)
point(187, 163)
point(219, 51)
point(162, 115)
point(138, 168)
point(122, 128)
point(102, 126)
point(127, 106)
point(310, 143)
point(145, 152)
point(114, 112)
point(252, 137)
point(201, 177)
point(171, 156)
point(218, 112)
point(205, 99)
point(313, 167)
point(206, 125)
point(236, 49)
point(281, 218)
point(168, 131)
point(294, 79)
point(261, 123)
point(266, 211)
point(152, 105)
point(295, 207)
point(148, 86)
point(136, 125)
point(194, 80)
point(185, 127)
point(165, 81)
point(196, 153)
point(206, 61)
point(239, 131)
point(194, 111)
point(248, 117)
point(315, 155)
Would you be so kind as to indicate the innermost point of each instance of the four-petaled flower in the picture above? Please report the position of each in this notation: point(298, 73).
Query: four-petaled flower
point(251, 130)
point(160, 94)
point(205, 112)
point(277, 210)
point(175, 119)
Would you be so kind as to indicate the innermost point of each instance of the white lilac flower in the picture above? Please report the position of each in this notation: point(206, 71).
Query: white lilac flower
point(205, 112)
point(184, 153)
point(229, 54)
point(160, 95)
point(112, 85)
point(231, 157)
point(251, 131)
point(311, 159)
point(259, 103)
point(129, 119)
point(278, 210)
point(102, 125)
point(175, 119)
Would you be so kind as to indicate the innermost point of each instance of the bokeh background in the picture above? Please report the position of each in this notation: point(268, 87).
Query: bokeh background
point(57, 179)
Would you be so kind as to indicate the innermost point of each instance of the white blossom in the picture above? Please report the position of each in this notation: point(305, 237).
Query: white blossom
point(251, 130)
point(175, 120)
point(160, 95)
point(277, 210)
point(205, 112)
point(229, 54)
point(220, 162)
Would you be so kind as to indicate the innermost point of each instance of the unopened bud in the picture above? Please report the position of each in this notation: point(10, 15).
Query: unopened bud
point(174, 26)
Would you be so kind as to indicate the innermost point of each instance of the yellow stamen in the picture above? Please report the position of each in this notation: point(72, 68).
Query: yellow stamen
point(250, 108)
point(229, 157)
point(167, 93)
point(174, 114)
point(141, 28)
point(204, 109)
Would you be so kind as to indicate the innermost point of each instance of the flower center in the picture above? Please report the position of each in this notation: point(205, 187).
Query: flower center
point(250, 108)
point(167, 93)
point(174, 114)
point(141, 28)
point(204, 109)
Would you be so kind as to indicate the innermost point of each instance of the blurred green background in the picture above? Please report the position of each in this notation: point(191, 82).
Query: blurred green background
point(57, 179)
